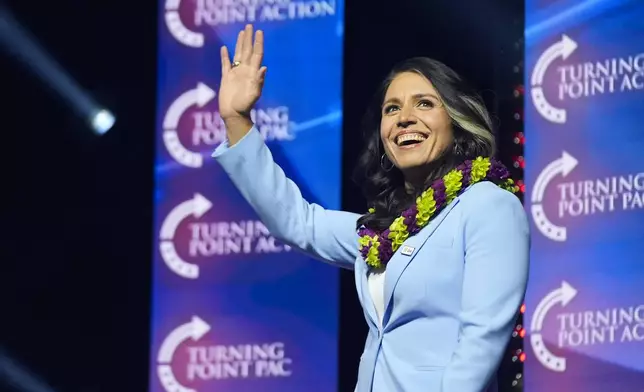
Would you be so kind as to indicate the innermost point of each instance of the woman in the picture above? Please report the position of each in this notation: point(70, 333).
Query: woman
point(440, 259)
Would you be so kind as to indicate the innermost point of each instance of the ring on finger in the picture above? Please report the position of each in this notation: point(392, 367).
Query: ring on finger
point(236, 63)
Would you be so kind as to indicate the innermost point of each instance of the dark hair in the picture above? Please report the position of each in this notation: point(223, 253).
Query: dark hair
point(472, 128)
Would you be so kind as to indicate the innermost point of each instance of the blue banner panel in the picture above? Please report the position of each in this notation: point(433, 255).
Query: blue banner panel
point(584, 119)
point(233, 308)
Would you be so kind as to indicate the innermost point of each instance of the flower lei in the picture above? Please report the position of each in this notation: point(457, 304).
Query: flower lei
point(377, 247)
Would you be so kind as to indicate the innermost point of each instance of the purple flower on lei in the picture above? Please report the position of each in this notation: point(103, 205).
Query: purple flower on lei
point(410, 218)
point(364, 251)
point(385, 252)
point(466, 169)
point(498, 170)
point(365, 231)
point(439, 192)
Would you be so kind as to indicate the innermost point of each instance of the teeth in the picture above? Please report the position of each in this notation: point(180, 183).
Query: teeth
point(409, 137)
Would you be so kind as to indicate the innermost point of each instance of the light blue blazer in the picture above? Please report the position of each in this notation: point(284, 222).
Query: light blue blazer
point(450, 305)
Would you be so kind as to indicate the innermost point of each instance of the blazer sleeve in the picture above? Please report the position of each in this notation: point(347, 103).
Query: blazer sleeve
point(325, 234)
point(497, 243)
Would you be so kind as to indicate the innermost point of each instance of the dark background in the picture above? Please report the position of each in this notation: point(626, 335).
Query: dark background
point(77, 211)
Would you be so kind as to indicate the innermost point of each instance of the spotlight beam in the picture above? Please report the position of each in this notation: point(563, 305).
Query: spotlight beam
point(18, 42)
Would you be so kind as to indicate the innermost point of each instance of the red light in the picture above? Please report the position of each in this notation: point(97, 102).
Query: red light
point(521, 186)
point(519, 162)
point(523, 308)
point(519, 91)
point(519, 331)
point(522, 357)
point(519, 138)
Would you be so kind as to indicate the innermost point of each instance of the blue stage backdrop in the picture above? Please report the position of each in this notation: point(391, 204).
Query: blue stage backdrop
point(233, 308)
point(584, 119)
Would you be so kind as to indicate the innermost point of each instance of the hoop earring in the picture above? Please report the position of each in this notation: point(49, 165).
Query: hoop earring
point(382, 163)
point(458, 150)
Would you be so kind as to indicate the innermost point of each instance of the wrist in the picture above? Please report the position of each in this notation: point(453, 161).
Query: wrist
point(236, 118)
point(237, 127)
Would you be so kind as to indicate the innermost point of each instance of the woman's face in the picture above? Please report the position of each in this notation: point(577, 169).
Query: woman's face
point(415, 127)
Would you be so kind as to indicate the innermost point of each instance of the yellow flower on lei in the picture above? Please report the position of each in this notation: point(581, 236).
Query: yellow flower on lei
point(364, 241)
point(398, 232)
point(480, 166)
point(510, 186)
point(372, 257)
point(426, 207)
point(453, 182)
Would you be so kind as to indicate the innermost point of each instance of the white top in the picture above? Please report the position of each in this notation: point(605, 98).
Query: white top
point(376, 281)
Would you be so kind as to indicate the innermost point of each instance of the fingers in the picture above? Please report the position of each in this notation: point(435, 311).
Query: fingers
point(246, 51)
point(239, 46)
point(261, 74)
point(258, 50)
point(261, 77)
point(247, 48)
point(225, 60)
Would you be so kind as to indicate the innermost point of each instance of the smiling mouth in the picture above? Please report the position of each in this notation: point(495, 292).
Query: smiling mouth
point(410, 140)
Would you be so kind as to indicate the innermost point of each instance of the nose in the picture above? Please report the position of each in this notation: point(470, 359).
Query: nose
point(405, 117)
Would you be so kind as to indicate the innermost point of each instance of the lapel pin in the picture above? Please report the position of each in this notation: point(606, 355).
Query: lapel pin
point(407, 250)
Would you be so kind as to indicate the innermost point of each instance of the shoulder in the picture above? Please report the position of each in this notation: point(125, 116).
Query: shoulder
point(486, 202)
point(487, 194)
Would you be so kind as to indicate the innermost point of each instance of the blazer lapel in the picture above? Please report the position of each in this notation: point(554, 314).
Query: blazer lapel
point(406, 253)
point(363, 288)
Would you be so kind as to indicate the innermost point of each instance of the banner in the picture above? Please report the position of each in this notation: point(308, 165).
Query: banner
point(584, 120)
point(233, 308)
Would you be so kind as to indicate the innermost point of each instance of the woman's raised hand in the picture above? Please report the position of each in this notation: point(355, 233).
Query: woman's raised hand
point(242, 81)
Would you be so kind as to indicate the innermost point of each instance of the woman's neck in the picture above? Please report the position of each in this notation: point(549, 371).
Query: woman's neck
point(416, 178)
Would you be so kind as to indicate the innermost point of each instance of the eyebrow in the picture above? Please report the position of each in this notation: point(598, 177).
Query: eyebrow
point(415, 96)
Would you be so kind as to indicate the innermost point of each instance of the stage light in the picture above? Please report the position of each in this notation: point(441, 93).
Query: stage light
point(102, 121)
point(17, 41)
point(517, 383)
point(16, 376)
point(518, 162)
point(513, 146)
point(518, 91)
point(519, 332)
point(519, 138)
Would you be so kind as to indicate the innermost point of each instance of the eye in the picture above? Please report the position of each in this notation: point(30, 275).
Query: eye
point(425, 103)
point(390, 108)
